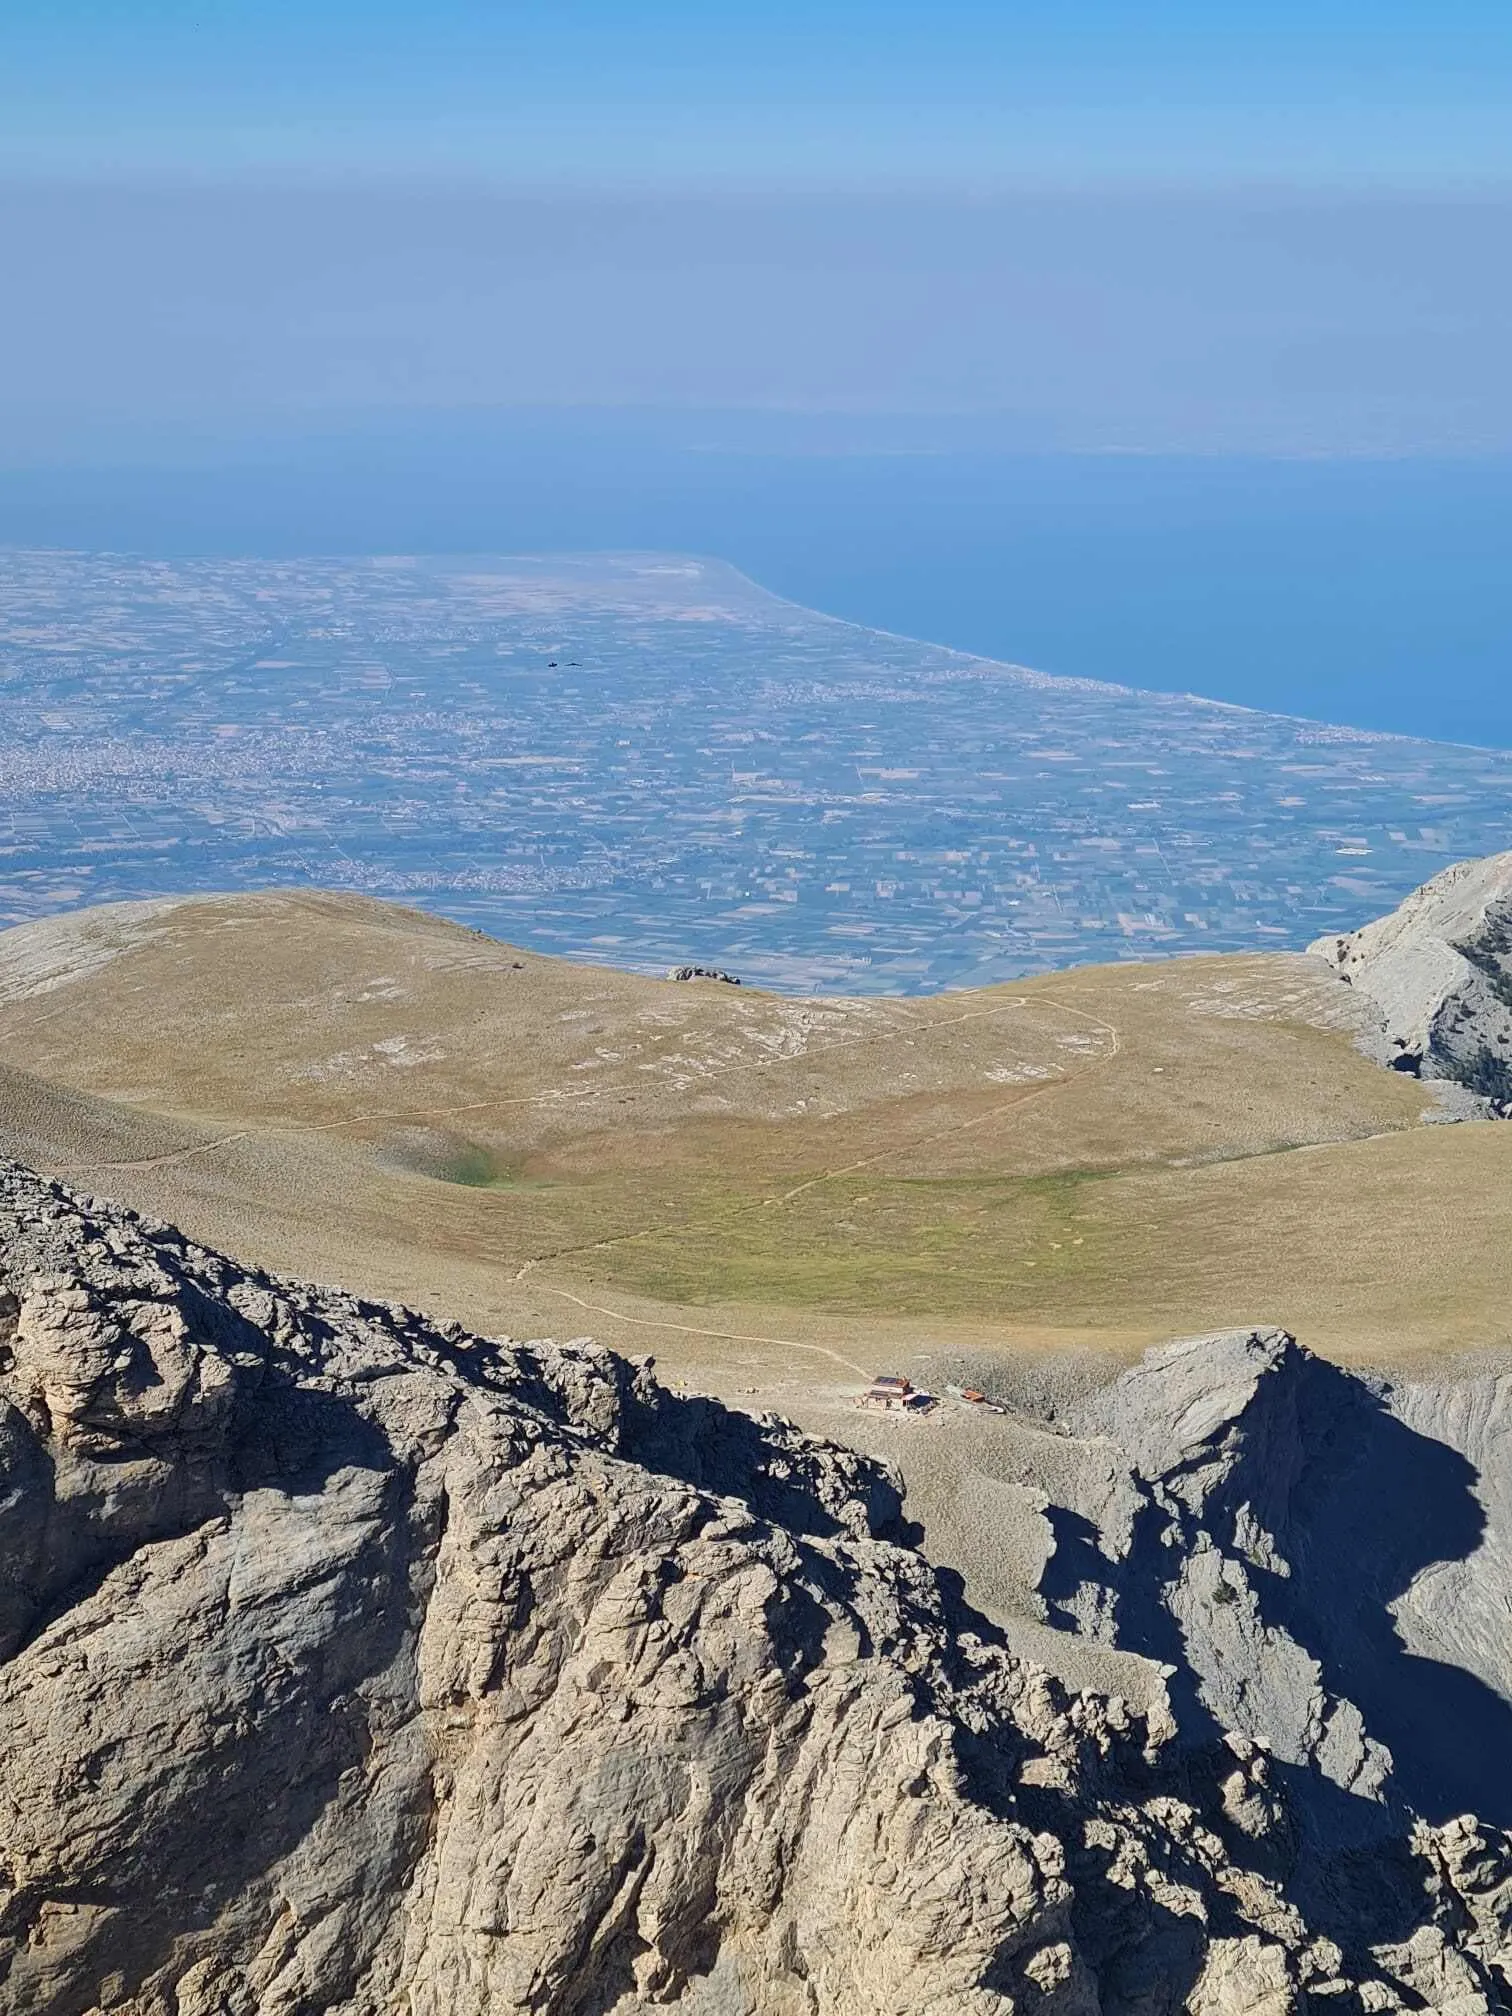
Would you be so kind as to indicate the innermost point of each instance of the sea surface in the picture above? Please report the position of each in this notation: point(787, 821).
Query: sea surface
point(1377, 594)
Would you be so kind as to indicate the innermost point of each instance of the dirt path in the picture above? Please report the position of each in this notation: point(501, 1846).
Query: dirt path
point(698, 1330)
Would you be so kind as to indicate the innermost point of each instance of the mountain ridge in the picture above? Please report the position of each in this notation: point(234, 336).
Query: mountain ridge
point(353, 1660)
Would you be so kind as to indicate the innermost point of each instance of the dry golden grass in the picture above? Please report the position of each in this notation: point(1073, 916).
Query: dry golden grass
point(752, 1185)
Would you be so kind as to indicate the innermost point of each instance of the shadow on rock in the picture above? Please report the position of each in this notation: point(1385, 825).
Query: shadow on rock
point(1261, 1570)
point(1375, 1506)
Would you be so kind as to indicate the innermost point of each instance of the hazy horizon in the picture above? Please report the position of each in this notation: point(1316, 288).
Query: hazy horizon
point(1139, 343)
point(1220, 321)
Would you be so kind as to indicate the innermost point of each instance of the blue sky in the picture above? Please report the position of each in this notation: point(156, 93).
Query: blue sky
point(786, 92)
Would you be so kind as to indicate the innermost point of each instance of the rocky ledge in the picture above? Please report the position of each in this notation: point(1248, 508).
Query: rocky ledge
point(352, 1664)
point(1437, 976)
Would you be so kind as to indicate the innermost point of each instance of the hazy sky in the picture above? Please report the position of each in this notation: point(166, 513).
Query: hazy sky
point(1261, 324)
point(823, 286)
point(1277, 228)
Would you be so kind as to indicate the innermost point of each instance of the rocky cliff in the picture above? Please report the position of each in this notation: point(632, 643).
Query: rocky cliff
point(353, 1664)
point(1438, 974)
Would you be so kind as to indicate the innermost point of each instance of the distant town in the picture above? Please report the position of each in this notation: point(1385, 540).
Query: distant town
point(650, 762)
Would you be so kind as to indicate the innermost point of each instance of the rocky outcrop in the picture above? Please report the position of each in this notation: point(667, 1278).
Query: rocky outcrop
point(352, 1664)
point(703, 973)
point(1438, 974)
point(1319, 1564)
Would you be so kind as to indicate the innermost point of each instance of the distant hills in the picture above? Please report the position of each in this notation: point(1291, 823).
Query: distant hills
point(764, 1187)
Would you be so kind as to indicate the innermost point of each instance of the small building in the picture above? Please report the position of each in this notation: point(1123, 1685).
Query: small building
point(890, 1393)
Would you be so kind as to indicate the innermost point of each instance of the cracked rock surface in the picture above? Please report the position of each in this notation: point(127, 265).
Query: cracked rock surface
point(1438, 974)
point(351, 1664)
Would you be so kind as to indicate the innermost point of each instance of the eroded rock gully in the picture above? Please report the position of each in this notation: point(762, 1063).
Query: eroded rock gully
point(351, 1664)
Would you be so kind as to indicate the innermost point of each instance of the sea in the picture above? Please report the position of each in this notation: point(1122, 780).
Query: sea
point(1371, 593)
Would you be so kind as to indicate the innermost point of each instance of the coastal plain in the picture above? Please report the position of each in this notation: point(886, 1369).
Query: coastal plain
point(646, 759)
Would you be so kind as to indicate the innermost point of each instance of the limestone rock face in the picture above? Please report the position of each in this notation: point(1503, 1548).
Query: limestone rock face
point(350, 1664)
point(1438, 973)
point(1319, 1562)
